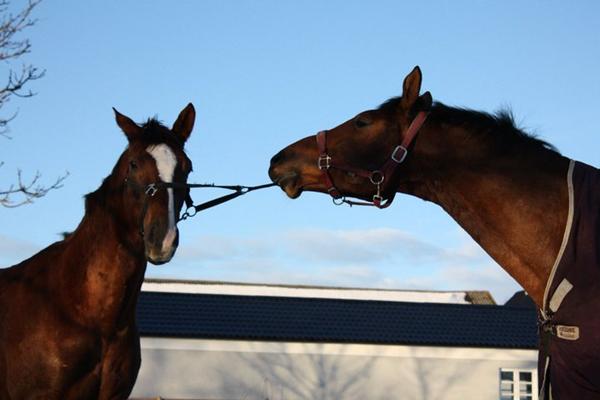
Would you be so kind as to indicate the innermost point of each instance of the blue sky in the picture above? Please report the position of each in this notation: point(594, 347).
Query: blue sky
point(263, 74)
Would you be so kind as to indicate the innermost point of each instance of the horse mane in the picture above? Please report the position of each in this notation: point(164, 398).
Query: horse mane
point(156, 132)
point(498, 129)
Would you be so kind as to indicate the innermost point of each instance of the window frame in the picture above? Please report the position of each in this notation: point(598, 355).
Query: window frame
point(516, 381)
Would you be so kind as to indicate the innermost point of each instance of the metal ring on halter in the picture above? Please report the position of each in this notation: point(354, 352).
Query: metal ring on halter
point(338, 201)
point(375, 174)
point(187, 214)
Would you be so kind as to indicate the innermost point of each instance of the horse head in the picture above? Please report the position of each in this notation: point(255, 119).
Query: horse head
point(154, 169)
point(358, 157)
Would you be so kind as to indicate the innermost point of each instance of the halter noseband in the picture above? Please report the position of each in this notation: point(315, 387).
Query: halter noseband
point(377, 177)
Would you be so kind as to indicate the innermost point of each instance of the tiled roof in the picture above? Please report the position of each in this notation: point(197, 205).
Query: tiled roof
point(211, 316)
point(521, 299)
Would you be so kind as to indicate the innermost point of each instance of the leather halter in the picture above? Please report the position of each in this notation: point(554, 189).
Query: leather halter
point(191, 209)
point(377, 177)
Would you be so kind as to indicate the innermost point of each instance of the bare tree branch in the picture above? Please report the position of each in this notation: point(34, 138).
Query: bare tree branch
point(27, 191)
point(10, 25)
point(12, 47)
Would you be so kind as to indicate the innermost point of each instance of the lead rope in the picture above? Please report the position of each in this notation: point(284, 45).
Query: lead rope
point(238, 190)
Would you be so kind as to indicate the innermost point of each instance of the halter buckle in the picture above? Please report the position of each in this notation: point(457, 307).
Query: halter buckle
point(399, 158)
point(324, 162)
point(151, 190)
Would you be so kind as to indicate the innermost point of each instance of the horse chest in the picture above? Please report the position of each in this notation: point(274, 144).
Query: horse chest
point(51, 356)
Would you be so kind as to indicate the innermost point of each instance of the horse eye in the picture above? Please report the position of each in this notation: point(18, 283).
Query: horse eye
point(132, 164)
point(361, 122)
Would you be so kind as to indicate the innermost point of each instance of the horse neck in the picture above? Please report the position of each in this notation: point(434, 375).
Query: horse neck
point(104, 263)
point(513, 204)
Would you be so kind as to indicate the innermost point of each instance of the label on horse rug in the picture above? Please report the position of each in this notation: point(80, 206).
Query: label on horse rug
point(559, 294)
point(567, 332)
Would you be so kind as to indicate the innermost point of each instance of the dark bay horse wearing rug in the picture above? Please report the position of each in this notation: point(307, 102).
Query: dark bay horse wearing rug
point(534, 211)
point(67, 314)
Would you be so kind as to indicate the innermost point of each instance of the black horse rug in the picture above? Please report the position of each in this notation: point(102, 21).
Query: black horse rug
point(569, 360)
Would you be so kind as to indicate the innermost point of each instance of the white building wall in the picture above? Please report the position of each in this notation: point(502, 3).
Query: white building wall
point(201, 287)
point(216, 369)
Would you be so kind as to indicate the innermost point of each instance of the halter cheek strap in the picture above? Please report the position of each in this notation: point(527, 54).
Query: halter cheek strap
point(377, 177)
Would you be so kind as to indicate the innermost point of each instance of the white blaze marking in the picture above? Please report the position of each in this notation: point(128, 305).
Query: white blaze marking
point(166, 163)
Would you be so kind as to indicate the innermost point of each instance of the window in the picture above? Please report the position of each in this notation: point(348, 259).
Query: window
point(518, 384)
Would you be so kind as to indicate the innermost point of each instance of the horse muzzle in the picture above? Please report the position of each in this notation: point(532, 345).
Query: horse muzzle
point(284, 176)
point(161, 251)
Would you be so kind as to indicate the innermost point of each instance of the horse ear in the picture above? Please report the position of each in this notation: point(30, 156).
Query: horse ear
point(185, 122)
point(130, 128)
point(411, 88)
point(424, 102)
